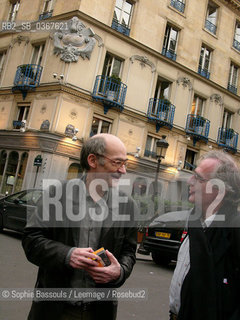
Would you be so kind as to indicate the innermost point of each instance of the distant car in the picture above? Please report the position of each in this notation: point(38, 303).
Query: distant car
point(14, 208)
point(164, 236)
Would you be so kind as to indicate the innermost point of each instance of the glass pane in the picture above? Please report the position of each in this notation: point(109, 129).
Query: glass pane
point(125, 19)
point(107, 65)
point(119, 3)
point(127, 7)
point(16, 196)
point(35, 54)
point(105, 127)
point(199, 106)
point(212, 15)
point(148, 144)
point(95, 125)
point(73, 171)
point(237, 32)
point(116, 67)
point(117, 14)
point(21, 172)
point(3, 157)
point(21, 113)
point(9, 178)
point(173, 34)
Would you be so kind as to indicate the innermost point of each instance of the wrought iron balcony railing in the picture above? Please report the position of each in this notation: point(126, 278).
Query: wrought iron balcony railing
point(45, 15)
point(210, 27)
point(228, 139)
point(27, 78)
point(204, 72)
point(198, 127)
point(232, 88)
point(236, 44)
point(110, 92)
point(169, 53)
point(162, 112)
point(120, 27)
point(28, 75)
point(18, 124)
point(179, 5)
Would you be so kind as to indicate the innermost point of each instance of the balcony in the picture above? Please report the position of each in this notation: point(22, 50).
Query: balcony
point(204, 72)
point(45, 15)
point(236, 45)
point(27, 78)
point(232, 88)
point(178, 5)
point(210, 27)
point(169, 53)
point(161, 111)
point(110, 91)
point(228, 139)
point(120, 27)
point(197, 127)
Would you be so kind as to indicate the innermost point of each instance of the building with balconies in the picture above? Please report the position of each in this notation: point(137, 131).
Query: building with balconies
point(137, 69)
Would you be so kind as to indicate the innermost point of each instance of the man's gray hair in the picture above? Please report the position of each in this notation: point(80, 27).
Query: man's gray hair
point(94, 145)
point(228, 172)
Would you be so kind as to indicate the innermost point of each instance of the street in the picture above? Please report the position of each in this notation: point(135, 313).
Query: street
point(17, 272)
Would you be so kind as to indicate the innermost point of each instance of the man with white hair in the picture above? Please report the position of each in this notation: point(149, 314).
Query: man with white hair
point(206, 280)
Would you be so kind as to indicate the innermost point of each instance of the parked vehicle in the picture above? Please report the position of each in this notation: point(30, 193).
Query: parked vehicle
point(14, 208)
point(164, 235)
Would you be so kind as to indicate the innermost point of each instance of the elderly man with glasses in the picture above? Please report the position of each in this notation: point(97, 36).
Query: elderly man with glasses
point(206, 280)
point(65, 253)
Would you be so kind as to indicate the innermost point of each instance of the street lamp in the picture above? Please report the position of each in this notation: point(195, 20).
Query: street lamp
point(161, 149)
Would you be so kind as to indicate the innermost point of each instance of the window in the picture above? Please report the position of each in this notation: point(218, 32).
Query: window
point(197, 106)
point(178, 4)
point(204, 62)
point(100, 126)
point(150, 148)
point(122, 16)
point(233, 78)
point(11, 168)
point(190, 160)
point(236, 40)
point(13, 10)
point(22, 114)
point(47, 10)
point(73, 171)
point(21, 172)
point(37, 54)
point(170, 42)
point(2, 58)
point(227, 119)
point(211, 18)
point(162, 89)
point(112, 65)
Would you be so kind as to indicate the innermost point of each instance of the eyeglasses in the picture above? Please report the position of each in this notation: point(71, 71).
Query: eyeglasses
point(199, 178)
point(115, 163)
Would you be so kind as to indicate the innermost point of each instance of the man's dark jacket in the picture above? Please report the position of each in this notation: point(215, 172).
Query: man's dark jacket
point(47, 247)
point(211, 288)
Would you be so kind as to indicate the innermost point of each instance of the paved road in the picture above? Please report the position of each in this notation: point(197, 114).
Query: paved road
point(17, 272)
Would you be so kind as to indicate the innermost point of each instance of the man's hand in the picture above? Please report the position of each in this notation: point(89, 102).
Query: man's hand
point(81, 258)
point(106, 274)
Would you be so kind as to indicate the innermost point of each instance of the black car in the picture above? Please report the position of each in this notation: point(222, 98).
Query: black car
point(164, 236)
point(14, 208)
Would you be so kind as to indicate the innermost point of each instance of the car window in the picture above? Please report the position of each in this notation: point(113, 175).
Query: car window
point(16, 196)
point(31, 197)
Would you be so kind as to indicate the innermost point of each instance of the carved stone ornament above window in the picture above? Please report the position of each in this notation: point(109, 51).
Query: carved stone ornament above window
point(77, 41)
point(216, 98)
point(73, 114)
point(143, 61)
point(185, 82)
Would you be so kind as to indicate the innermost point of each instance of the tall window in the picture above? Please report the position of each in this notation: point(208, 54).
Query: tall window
point(73, 171)
point(211, 18)
point(178, 4)
point(13, 10)
point(236, 40)
point(47, 6)
point(10, 174)
point(197, 106)
point(204, 62)
point(150, 148)
point(2, 58)
point(233, 78)
point(162, 89)
point(190, 160)
point(21, 172)
point(112, 65)
point(37, 54)
point(22, 114)
point(227, 119)
point(170, 42)
point(100, 126)
point(122, 16)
